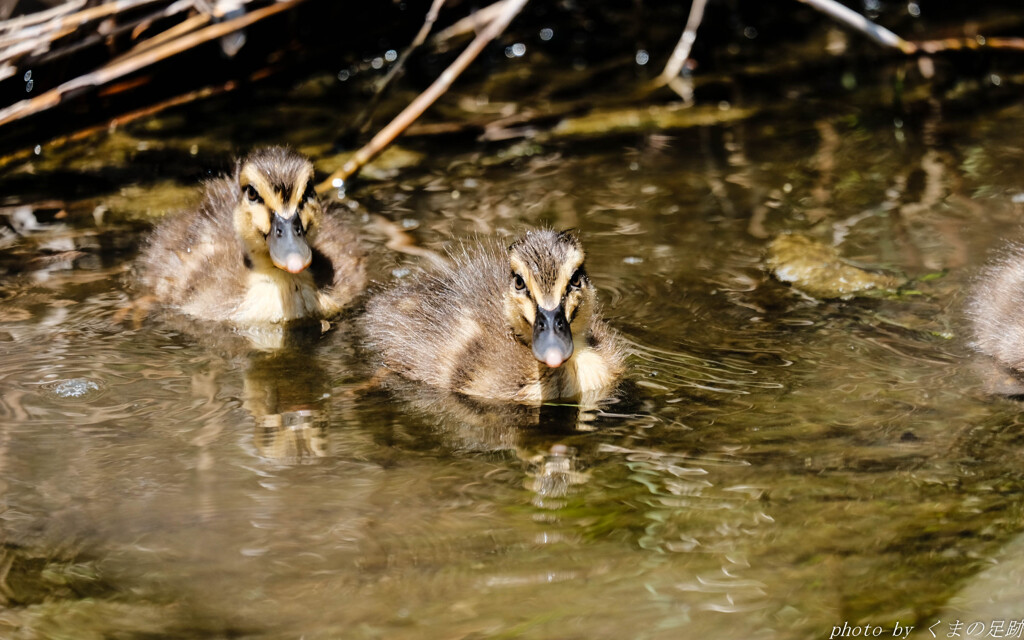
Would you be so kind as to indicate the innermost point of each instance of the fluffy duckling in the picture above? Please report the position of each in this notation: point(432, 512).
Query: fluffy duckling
point(518, 324)
point(996, 310)
point(259, 249)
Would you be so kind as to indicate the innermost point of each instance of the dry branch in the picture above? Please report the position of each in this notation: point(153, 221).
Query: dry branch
point(186, 26)
point(887, 38)
point(60, 25)
point(851, 18)
point(39, 48)
point(135, 61)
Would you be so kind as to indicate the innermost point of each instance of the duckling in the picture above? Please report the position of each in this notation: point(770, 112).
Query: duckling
point(258, 250)
point(996, 310)
point(520, 324)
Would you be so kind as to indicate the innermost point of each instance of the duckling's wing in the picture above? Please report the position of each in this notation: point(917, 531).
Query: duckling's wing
point(194, 258)
point(339, 259)
point(446, 326)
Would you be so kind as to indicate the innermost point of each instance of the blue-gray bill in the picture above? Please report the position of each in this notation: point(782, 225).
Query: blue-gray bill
point(552, 338)
point(287, 244)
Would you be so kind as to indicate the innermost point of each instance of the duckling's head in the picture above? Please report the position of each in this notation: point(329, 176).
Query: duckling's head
point(278, 213)
point(549, 297)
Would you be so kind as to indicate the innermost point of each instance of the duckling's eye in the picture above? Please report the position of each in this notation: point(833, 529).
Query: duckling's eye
point(251, 194)
point(517, 279)
point(576, 281)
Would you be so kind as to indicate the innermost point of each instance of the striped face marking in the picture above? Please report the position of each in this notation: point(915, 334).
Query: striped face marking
point(555, 281)
point(278, 212)
point(266, 195)
point(548, 287)
point(544, 290)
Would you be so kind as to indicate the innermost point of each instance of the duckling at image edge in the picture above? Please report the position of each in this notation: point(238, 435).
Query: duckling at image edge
point(259, 248)
point(996, 309)
point(518, 324)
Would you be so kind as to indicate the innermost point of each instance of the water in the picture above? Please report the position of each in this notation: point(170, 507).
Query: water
point(775, 465)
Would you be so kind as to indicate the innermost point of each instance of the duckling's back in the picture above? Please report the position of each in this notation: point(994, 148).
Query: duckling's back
point(996, 309)
point(445, 327)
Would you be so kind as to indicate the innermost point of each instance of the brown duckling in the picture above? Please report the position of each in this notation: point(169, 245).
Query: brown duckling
point(996, 310)
point(259, 249)
point(520, 324)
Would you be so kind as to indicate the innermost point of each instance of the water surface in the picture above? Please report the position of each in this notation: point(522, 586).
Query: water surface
point(774, 466)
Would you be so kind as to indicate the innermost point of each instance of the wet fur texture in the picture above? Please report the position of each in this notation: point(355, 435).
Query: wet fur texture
point(458, 327)
point(996, 309)
point(209, 262)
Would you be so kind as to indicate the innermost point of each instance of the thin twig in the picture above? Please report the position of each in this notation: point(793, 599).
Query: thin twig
point(421, 36)
point(398, 67)
point(469, 24)
point(416, 108)
point(955, 44)
point(120, 68)
point(670, 74)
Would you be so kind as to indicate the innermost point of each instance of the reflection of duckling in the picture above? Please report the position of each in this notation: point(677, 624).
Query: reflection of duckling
point(517, 325)
point(996, 310)
point(292, 436)
point(553, 475)
point(242, 256)
point(467, 423)
point(286, 394)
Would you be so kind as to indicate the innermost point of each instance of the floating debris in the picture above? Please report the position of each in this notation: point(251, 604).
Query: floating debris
point(647, 118)
point(817, 269)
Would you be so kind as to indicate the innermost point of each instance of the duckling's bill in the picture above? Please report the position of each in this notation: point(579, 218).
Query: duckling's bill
point(552, 337)
point(287, 244)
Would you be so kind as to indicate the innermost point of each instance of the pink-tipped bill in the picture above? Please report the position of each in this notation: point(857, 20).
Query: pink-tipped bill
point(294, 263)
point(554, 358)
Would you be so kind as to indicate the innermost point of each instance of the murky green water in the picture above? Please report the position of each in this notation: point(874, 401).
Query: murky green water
point(774, 467)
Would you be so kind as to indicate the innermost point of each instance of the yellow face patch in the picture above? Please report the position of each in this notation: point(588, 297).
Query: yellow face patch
point(259, 214)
